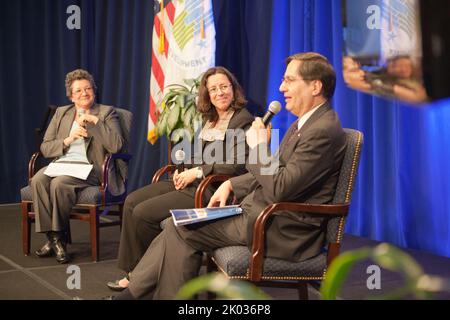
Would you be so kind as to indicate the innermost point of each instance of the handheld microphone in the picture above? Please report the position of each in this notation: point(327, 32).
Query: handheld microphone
point(80, 112)
point(274, 108)
point(179, 157)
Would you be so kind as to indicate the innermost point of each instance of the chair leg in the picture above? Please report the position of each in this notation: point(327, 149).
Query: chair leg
point(302, 290)
point(69, 234)
point(120, 216)
point(94, 225)
point(211, 296)
point(26, 228)
point(210, 267)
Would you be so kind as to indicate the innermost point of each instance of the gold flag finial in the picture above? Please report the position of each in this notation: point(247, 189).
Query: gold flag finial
point(202, 22)
point(162, 45)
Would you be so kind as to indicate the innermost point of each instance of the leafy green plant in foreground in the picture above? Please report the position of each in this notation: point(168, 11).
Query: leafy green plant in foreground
point(223, 287)
point(416, 282)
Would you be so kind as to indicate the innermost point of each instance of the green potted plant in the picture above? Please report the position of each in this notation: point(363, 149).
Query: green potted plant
point(179, 114)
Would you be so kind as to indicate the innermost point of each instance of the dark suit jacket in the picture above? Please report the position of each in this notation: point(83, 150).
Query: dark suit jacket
point(233, 148)
point(308, 172)
point(104, 137)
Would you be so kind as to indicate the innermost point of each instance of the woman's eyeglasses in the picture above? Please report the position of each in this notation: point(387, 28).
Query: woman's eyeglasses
point(80, 91)
point(222, 88)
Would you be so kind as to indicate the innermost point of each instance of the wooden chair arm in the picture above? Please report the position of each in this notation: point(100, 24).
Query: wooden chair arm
point(31, 165)
point(205, 183)
point(109, 158)
point(166, 169)
point(124, 156)
point(107, 163)
point(257, 256)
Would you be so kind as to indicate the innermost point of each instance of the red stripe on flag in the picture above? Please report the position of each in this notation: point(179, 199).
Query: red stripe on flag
point(157, 71)
point(170, 9)
point(157, 25)
point(167, 45)
point(152, 110)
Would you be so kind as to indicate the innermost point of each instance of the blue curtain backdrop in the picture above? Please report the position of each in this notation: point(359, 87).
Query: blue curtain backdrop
point(36, 52)
point(402, 194)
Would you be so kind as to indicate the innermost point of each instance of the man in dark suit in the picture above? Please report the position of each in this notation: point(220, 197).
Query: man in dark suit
point(309, 161)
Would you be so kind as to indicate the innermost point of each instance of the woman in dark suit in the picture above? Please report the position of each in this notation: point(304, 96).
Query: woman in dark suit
point(222, 104)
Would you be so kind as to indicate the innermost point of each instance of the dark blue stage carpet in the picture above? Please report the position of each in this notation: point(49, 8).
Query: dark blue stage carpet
point(29, 278)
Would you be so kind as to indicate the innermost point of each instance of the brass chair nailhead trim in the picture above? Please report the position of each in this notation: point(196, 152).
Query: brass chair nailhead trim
point(350, 185)
point(247, 276)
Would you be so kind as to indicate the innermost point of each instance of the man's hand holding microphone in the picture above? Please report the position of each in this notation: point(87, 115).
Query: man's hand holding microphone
point(259, 132)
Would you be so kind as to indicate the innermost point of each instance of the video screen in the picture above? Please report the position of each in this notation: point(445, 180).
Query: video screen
point(383, 49)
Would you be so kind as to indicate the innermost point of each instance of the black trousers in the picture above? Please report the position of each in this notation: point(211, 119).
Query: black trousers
point(143, 211)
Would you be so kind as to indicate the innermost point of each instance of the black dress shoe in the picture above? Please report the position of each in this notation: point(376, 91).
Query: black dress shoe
point(115, 286)
point(46, 250)
point(60, 250)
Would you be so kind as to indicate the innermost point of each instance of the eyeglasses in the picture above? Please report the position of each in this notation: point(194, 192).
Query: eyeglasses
point(80, 91)
point(222, 88)
point(290, 80)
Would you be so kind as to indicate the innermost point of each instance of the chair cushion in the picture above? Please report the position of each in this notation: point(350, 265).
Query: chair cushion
point(25, 194)
point(89, 195)
point(234, 260)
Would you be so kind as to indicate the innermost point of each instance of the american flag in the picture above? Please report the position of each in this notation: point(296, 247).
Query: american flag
point(399, 34)
point(183, 46)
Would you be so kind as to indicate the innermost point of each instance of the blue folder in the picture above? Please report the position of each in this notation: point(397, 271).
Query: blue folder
point(189, 216)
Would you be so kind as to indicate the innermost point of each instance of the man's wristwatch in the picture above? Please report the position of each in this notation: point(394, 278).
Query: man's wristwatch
point(199, 173)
